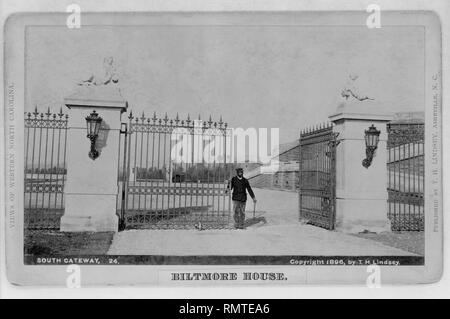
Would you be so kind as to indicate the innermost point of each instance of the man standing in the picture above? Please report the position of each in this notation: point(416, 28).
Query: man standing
point(240, 185)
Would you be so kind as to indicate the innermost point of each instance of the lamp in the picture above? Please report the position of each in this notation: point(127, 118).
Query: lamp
point(93, 122)
point(371, 136)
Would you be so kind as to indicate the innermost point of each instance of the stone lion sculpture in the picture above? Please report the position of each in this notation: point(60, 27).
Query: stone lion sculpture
point(350, 90)
point(109, 75)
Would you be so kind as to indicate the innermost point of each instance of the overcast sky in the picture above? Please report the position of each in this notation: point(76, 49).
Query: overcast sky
point(255, 76)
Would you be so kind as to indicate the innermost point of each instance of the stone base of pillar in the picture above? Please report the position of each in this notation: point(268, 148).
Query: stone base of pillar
point(91, 188)
point(361, 203)
point(360, 215)
point(85, 212)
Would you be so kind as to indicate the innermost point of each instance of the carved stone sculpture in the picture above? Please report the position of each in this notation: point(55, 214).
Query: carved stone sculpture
point(109, 75)
point(351, 90)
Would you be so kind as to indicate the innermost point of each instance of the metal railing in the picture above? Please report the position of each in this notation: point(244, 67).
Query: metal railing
point(406, 176)
point(159, 192)
point(45, 168)
point(317, 173)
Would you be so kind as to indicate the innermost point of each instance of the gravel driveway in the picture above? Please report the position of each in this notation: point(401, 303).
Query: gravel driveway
point(277, 232)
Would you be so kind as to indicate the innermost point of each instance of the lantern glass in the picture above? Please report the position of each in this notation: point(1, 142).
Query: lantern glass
point(96, 127)
point(371, 137)
point(93, 122)
point(372, 140)
point(375, 139)
point(367, 138)
point(91, 128)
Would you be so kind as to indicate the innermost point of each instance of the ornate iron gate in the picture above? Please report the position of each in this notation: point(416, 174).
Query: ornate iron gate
point(406, 179)
point(45, 169)
point(173, 174)
point(317, 199)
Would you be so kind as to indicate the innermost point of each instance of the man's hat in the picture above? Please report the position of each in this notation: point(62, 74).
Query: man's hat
point(239, 169)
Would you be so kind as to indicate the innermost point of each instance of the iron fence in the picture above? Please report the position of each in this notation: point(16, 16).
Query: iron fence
point(317, 194)
point(159, 191)
point(406, 176)
point(45, 168)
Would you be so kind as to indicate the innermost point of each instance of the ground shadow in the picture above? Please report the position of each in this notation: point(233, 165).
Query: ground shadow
point(256, 220)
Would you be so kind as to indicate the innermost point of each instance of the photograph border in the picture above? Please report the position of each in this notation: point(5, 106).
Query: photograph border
point(21, 274)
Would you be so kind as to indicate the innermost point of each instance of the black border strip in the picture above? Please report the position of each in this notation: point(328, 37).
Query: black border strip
point(225, 260)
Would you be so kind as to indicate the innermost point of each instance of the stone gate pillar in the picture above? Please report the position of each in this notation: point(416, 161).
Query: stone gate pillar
point(361, 193)
point(91, 188)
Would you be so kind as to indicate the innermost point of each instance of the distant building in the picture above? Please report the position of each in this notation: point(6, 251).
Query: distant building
point(285, 175)
point(409, 118)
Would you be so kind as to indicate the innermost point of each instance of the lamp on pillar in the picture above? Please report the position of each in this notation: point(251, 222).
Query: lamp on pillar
point(371, 137)
point(91, 189)
point(93, 122)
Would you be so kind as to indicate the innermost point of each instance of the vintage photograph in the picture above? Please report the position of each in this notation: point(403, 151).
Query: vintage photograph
point(226, 139)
